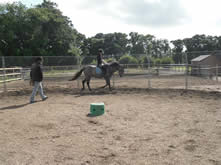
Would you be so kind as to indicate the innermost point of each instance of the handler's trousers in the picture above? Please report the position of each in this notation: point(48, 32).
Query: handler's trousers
point(37, 87)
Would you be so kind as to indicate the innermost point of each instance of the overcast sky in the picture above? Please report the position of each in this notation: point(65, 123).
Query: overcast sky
point(166, 19)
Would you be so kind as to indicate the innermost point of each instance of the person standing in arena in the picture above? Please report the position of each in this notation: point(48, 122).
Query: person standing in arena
point(36, 77)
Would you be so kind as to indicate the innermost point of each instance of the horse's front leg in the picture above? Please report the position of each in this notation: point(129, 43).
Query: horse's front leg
point(105, 78)
point(108, 83)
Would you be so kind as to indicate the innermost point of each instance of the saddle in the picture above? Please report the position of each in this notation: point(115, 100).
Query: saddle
point(98, 70)
point(101, 70)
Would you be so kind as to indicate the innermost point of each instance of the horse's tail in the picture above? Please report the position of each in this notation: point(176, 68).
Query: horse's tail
point(77, 74)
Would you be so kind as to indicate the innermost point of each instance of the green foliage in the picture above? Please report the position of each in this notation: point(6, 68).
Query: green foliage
point(136, 42)
point(157, 61)
point(87, 60)
point(177, 51)
point(164, 60)
point(145, 60)
point(197, 44)
point(94, 62)
point(38, 31)
point(110, 60)
point(167, 60)
point(58, 61)
point(111, 43)
point(126, 59)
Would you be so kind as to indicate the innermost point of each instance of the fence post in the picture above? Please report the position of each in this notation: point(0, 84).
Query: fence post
point(149, 82)
point(187, 71)
point(217, 67)
point(4, 74)
point(113, 80)
point(79, 67)
point(22, 73)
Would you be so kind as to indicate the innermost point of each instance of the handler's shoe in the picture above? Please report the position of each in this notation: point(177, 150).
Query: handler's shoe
point(31, 102)
point(45, 98)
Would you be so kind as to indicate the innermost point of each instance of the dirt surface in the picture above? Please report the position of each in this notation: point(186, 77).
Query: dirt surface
point(139, 127)
point(136, 81)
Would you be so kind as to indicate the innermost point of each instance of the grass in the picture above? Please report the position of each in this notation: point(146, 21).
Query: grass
point(58, 72)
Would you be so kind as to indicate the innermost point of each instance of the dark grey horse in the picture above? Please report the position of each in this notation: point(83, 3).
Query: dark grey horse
point(90, 71)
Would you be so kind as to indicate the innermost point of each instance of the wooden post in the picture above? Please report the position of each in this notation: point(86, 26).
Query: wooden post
point(79, 67)
point(186, 75)
point(113, 79)
point(22, 73)
point(4, 74)
point(13, 71)
point(149, 82)
point(217, 68)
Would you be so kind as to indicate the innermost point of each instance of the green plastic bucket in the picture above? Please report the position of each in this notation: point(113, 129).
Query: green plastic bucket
point(96, 109)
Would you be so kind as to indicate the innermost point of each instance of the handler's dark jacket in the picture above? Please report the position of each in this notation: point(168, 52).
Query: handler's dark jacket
point(36, 72)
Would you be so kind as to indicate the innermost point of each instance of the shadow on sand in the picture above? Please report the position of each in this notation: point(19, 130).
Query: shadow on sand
point(13, 107)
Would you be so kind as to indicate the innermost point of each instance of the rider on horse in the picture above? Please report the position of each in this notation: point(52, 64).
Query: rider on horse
point(100, 61)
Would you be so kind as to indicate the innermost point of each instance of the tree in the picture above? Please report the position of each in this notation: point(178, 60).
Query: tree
point(38, 31)
point(115, 43)
point(160, 48)
point(177, 51)
point(148, 43)
point(112, 43)
point(199, 44)
point(136, 43)
point(12, 29)
point(57, 30)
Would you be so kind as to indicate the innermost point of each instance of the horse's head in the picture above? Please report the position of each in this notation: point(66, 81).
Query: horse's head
point(117, 67)
point(121, 70)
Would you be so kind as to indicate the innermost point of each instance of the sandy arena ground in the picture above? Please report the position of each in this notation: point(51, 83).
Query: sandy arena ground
point(139, 127)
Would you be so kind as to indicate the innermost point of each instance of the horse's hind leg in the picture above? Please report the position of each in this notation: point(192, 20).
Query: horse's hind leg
point(83, 84)
point(108, 82)
point(88, 85)
point(103, 86)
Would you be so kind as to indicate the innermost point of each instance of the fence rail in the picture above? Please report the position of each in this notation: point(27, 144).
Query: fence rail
point(149, 72)
point(10, 74)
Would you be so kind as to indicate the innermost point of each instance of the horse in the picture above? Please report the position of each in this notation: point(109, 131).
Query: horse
point(94, 71)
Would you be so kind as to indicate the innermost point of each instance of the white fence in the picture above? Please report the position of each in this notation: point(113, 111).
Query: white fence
point(8, 75)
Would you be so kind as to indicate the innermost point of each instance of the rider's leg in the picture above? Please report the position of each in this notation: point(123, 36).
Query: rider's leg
point(104, 69)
